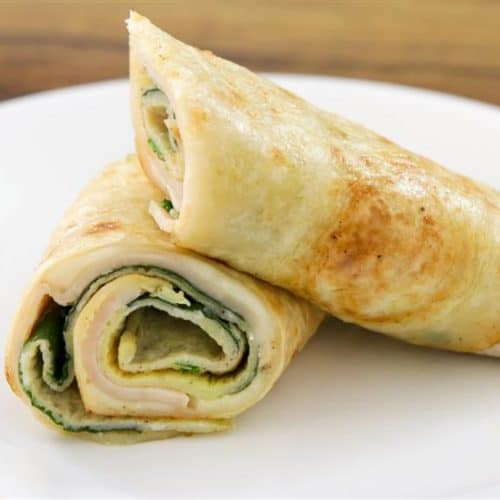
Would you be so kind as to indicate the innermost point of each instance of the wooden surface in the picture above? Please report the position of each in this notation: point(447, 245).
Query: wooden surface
point(453, 45)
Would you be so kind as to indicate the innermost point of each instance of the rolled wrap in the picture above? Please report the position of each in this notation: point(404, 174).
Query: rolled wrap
point(312, 202)
point(122, 337)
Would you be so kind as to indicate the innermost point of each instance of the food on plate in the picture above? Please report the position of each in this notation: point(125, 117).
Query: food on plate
point(123, 337)
point(312, 202)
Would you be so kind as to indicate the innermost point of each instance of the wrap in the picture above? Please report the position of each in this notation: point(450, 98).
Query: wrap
point(123, 337)
point(307, 200)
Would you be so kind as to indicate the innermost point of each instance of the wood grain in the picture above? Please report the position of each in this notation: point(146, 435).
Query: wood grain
point(450, 45)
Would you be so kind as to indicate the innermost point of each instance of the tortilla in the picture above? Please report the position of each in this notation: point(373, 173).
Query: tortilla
point(314, 203)
point(122, 337)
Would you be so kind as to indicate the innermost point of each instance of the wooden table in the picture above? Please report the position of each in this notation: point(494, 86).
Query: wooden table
point(453, 46)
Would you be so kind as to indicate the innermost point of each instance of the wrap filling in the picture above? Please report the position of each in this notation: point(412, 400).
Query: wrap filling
point(141, 341)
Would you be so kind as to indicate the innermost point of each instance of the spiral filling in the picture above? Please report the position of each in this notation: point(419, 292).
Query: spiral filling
point(136, 352)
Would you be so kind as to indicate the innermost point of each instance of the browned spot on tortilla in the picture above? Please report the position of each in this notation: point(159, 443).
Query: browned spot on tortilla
point(199, 116)
point(102, 227)
point(277, 155)
point(238, 97)
point(336, 154)
point(429, 220)
point(378, 247)
point(360, 240)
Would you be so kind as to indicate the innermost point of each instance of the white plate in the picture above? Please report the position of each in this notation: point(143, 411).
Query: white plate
point(355, 414)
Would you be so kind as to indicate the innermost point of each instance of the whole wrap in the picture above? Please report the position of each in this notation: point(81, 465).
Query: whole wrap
point(307, 200)
point(107, 255)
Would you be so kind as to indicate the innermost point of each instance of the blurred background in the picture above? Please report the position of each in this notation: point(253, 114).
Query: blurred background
point(447, 45)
